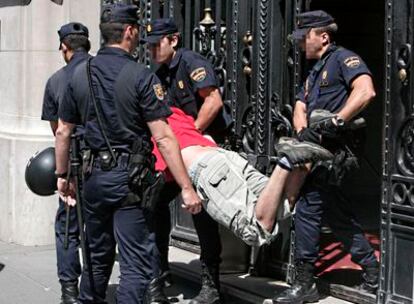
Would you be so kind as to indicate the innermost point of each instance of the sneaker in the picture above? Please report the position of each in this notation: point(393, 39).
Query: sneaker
point(320, 116)
point(301, 152)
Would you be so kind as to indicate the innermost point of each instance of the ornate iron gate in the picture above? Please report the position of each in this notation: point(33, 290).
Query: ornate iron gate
point(397, 209)
point(248, 43)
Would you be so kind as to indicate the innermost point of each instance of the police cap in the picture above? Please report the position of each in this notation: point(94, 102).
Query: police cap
point(158, 28)
point(309, 20)
point(120, 13)
point(73, 28)
point(40, 172)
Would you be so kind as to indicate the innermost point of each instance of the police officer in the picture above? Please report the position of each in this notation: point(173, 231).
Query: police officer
point(341, 83)
point(74, 46)
point(192, 86)
point(121, 104)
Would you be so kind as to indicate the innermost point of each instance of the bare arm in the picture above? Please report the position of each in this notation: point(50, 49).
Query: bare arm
point(362, 93)
point(210, 107)
point(62, 144)
point(170, 151)
point(53, 126)
point(299, 116)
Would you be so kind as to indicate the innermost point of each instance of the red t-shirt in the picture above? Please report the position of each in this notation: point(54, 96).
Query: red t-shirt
point(186, 134)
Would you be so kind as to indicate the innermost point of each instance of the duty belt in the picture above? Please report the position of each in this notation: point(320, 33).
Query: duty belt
point(102, 159)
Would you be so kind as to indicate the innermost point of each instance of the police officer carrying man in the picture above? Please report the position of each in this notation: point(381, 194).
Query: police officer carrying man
point(341, 83)
point(74, 46)
point(192, 86)
point(121, 104)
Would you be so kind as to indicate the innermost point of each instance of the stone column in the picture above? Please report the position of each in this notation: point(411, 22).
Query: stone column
point(28, 56)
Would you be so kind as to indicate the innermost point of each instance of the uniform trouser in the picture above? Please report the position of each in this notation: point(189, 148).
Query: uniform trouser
point(329, 205)
point(68, 263)
point(108, 224)
point(206, 228)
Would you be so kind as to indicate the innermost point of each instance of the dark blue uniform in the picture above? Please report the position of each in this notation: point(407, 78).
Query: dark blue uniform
point(128, 96)
point(187, 73)
point(327, 87)
point(68, 265)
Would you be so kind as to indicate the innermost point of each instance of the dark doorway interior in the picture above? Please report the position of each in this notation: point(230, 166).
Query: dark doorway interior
point(361, 29)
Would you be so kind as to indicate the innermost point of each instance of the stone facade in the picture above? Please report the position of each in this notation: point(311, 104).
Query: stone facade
point(28, 56)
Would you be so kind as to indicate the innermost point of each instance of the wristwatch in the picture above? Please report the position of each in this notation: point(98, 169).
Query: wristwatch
point(61, 175)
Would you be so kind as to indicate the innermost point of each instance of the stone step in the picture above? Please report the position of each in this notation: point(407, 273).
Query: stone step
point(237, 287)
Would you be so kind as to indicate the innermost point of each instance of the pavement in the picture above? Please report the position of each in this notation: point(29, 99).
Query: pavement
point(28, 275)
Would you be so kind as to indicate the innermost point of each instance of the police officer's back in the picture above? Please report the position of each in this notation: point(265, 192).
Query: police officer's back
point(74, 46)
point(120, 104)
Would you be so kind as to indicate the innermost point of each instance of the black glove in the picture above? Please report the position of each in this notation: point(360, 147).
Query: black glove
point(308, 134)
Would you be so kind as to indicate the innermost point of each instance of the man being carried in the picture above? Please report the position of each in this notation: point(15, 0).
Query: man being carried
point(234, 193)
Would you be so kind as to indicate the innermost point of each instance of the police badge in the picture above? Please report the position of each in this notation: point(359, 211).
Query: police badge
point(198, 74)
point(352, 62)
point(159, 92)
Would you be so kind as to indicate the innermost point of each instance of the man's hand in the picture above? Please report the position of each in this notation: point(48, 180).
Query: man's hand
point(310, 135)
point(191, 201)
point(66, 190)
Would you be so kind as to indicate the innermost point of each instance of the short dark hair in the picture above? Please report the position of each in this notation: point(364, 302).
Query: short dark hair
point(330, 29)
point(180, 40)
point(112, 33)
point(76, 42)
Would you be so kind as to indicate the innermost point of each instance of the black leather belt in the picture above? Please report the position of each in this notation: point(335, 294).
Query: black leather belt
point(102, 158)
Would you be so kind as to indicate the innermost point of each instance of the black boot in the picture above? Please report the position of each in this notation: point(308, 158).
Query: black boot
point(156, 292)
point(370, 278)
point(303, 289)
point(70, 292)
point(166, 278)
point(210, 286)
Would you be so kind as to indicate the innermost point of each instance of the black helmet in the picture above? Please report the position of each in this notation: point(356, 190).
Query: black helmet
point(40, 172)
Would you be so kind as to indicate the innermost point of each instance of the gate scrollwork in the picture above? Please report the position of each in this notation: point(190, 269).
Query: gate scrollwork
point(279, 119)
point(405, 148)
point(249, 130)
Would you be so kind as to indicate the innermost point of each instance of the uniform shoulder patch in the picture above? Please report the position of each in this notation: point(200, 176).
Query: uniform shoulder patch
point(158, 90)
point(198, 74)
point(352, 62)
